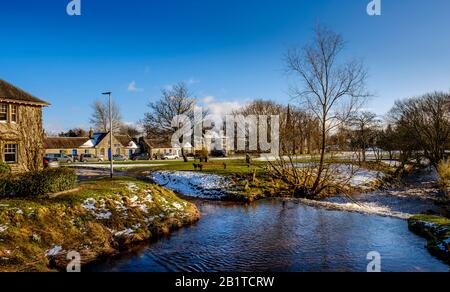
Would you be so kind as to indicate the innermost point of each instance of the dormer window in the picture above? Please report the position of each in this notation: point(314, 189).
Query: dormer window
point(3, 113)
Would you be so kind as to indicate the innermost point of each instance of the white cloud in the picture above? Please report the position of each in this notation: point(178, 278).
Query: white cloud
point(208, 99)
point(132, 87)
point(192, 81)
point(221, 109)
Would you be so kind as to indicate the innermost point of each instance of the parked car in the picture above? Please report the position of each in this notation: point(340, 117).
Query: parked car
point(170, 156)
point(90, 158)
point(219, 153)
point(141, 157)
point(61, 158)
point(51, 164)
point(75, 158)
point(120, 158)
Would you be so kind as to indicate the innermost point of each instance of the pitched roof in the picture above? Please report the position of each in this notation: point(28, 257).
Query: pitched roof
point(98, 137)
point(156, 144)
point(123, 139)
point(82, 142)
point(9, 92)
point(64, 143)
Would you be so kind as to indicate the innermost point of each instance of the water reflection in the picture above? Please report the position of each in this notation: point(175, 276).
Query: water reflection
point(281, 236)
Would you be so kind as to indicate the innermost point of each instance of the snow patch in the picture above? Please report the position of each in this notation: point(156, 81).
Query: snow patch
point(3, 228)
point(100, 213)
point(351, 175)
point(132, 187)
point(54, 251)
point(208, 186)
point(177, 206)
point(125, 232)
point(365, 208)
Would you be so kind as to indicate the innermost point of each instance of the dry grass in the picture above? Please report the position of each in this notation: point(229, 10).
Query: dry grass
point(444, 173)
point(30, 228)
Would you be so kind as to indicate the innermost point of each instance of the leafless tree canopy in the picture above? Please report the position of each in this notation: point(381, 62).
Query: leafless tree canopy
point(424, 124)
point(364, 128)
point(298, 128)
point(100, 116)
point(331, 90)
point(174, 102)
point(130, 131)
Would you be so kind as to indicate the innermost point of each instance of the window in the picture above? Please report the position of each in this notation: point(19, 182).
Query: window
point(3, 112)
point(14, 113)
point(11, 153)
point(118, 151)
point(102, 152)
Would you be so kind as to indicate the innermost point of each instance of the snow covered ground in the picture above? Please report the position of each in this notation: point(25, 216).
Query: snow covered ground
point(351, 175)
point(357, 177)
point(200, 185)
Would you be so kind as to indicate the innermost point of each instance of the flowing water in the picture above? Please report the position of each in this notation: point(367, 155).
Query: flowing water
point(273, 235)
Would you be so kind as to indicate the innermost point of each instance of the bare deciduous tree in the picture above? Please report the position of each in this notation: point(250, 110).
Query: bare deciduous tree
point(174, 102)
point(100, 116)
point(425, 121)
point(130, 130)
point(364, 126)
point(331, 90)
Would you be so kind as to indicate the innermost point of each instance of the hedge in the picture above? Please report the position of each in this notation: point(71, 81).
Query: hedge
point(37, 184)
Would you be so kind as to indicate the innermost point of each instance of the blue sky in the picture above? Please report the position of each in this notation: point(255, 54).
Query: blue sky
point(230, 50)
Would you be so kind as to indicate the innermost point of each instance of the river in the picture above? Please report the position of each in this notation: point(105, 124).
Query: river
point(280, 236)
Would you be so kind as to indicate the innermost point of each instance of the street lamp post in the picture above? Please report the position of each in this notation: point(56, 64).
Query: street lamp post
point(110, 134)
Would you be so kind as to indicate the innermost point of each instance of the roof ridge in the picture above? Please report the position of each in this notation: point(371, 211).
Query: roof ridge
point(9, 91)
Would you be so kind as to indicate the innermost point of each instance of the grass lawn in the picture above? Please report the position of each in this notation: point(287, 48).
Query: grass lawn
point(101, 218)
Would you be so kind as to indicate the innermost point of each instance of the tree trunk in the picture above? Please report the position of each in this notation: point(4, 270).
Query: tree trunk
point(322, 157)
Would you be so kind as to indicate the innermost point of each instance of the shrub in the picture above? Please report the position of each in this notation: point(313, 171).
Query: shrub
point(4, 168)
point(37, 184)
point(444, 171)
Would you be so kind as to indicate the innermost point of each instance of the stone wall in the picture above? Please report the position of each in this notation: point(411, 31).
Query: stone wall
point(116, 149)
point(28, 134)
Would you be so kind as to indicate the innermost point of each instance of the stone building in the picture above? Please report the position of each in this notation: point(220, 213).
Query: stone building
point(96, 143)
point(21, 132)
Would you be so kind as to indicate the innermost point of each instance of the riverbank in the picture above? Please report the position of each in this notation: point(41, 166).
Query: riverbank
point(251, 183)
point(101, 218)
point(436, 230)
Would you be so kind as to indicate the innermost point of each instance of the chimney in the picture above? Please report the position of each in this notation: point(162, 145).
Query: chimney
point(91, 133)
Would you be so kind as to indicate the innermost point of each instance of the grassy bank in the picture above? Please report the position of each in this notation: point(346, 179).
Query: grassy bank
point(238, 181)
point(436, 230)
point(101, 218)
